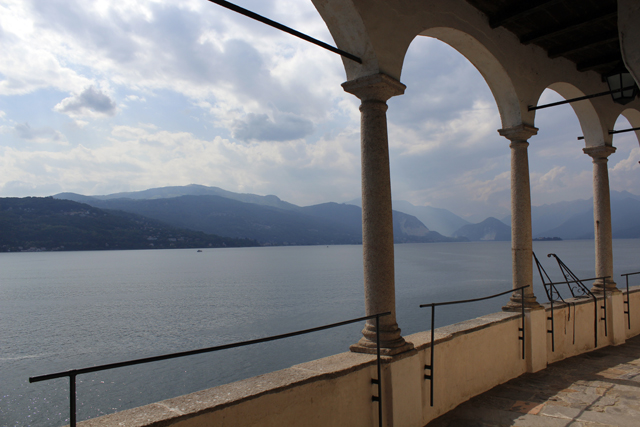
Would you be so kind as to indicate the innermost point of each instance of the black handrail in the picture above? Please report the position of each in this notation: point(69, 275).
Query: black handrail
point(286, 29)
point(72, 373)
point(626, 302)
point(433, 317)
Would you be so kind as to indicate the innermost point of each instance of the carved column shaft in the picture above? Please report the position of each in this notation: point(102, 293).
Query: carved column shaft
point(602, 216)
point(521, 239)
point(377, 220)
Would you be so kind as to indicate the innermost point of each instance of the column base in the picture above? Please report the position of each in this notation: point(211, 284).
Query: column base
point(368, 347)
point(599, 285)
point(515, 303)
point(391, 342)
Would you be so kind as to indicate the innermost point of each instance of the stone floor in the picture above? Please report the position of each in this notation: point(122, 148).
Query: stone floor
point(596, 389)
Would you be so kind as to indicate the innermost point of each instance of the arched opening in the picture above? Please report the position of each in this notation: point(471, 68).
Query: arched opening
point(560, 171)
point(446, 153)
point(592, 128)
point(446, 117)
point(624, 175)
point(633, 117)
point(489, 67)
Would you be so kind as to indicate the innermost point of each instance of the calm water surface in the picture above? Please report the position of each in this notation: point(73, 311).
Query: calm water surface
point(64, 310)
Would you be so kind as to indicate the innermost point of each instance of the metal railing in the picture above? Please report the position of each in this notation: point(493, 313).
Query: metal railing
point(433, 306)
point(626, 301)
point(578, 290)
point(73, 373)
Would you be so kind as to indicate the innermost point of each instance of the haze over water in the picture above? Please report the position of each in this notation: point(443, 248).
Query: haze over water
point(65, 310)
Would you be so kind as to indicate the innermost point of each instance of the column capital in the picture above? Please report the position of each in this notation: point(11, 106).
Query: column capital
point(377, 87)
point(600, 152)
point(521, 132)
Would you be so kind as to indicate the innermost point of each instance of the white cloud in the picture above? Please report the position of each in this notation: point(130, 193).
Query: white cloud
point(135, 98)
point(628, 164)
point(560, 183)
point(141, 157)
point(80, 123)
point(625, 174)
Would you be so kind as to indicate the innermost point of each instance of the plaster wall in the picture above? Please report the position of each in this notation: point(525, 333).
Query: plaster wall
point(470, 358)
point(574, 328)
point(336, 401)
point(634, 303)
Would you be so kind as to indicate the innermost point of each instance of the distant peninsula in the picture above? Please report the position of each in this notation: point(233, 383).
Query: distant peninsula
point(34, 224)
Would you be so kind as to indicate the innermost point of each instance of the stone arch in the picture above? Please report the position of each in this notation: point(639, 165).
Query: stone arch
point(382, 48)
point(493, 72)
point(595, 133)
point(350, 34)
point(633, 116)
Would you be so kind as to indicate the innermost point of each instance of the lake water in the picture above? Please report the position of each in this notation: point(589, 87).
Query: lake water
point(65, 310)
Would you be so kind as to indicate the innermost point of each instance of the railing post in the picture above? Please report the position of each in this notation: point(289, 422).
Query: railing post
point(378, 381)
point(72, 400)
point(595, 319)
point(604, 307)
point(552, 331)
point(430, 366)
point(523, 327)
point(626, 302)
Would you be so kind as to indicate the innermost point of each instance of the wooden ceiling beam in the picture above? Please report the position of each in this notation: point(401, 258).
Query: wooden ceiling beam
point(558, 30)
point(519, 10)
point(583, 45)
point(609, 60)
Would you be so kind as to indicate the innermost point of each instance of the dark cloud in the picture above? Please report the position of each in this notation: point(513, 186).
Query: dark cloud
point(25, 131)
point(91, 100)
point(259, 127)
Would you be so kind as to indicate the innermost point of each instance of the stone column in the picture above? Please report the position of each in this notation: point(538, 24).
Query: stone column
point(521, 245)
point(377, 220)
point(602, 217)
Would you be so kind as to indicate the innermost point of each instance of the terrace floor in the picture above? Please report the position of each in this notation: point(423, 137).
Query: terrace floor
point(600, 388)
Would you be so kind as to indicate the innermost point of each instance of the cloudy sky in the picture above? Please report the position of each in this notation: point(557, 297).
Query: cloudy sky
point(105, 96)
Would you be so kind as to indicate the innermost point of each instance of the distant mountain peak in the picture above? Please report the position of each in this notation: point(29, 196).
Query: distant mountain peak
point(186, 190)
point(488, 230)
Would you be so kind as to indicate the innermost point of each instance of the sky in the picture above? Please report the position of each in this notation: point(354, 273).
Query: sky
point(106, 96)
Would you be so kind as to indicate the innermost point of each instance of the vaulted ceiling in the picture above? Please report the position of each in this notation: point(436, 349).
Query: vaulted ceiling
point(582, 31)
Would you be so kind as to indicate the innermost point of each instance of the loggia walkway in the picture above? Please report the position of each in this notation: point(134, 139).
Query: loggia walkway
point(595, 389)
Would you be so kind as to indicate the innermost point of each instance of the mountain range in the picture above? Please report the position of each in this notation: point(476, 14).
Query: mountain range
point(272, 221)
point(266, 219)
point(574, 219)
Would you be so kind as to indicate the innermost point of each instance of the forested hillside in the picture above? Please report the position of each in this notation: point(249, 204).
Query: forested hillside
point(34, 223)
